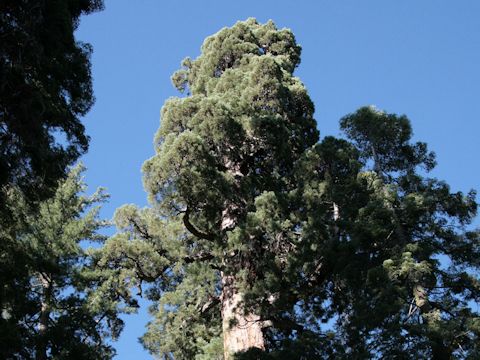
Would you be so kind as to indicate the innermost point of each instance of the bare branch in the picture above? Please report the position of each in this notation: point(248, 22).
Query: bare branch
point(193, 229)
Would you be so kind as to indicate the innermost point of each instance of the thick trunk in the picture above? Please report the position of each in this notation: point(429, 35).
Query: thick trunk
point(240, 332)
point(45, 281)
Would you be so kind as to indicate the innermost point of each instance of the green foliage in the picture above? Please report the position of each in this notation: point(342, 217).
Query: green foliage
point(342, 247)
point(413, 266)
point(50, 282)
point(45, 88)
point(384, 139)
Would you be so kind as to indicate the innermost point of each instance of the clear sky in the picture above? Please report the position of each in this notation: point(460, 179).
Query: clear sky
point(419, 58)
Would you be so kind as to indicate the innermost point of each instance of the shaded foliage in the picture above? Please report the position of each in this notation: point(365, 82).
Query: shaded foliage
point(45, 87)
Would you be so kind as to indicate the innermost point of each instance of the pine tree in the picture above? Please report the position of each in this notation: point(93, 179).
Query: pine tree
point(53, 312)
point(262, 242)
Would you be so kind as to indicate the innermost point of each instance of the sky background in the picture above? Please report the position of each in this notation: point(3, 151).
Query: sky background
point(419, 58)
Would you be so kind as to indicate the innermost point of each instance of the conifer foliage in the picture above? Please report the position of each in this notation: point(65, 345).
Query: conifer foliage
point(263, 242)
point(52, 311)
point(45, 88)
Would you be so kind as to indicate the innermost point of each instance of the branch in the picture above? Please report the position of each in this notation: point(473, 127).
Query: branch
point(287, 324)
point(139, 270)
point(211, 302)
point(142, 232)
point(193, 229)
point(201, 256)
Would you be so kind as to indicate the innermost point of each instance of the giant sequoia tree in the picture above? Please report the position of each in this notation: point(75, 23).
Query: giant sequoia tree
point(262, 241)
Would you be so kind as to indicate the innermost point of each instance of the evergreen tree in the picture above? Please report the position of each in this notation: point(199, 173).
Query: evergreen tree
point(225, 161)
point(45, 87)
point(262, 242)
point(52, 312)
point(411, 282)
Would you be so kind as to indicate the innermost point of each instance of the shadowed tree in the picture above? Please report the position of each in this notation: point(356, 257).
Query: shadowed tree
point(45, 87)
point(412, 280)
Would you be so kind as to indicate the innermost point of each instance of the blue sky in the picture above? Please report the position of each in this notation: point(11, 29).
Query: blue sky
point(419, 58)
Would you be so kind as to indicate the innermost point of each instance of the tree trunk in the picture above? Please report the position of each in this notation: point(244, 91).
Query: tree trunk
point(45, 281)
point(336, 212)
point(336, 217)
point(439, 350)
point(240, 332)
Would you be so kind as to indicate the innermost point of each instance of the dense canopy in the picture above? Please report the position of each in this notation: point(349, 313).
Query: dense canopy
point(262, 241)
point(45, 88)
